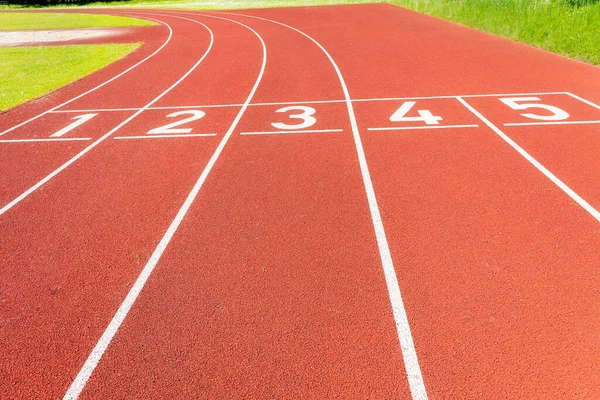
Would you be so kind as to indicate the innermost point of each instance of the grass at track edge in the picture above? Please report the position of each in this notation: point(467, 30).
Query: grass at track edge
point(15, 21)
point(30, 72)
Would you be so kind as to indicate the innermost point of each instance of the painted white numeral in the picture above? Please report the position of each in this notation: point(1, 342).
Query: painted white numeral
point(306, 116)
point(80, 119)
point(169, 128)
point(424, 115)
point(557, 113)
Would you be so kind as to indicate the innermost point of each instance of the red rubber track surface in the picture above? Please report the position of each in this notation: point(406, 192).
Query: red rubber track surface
point(273, 287)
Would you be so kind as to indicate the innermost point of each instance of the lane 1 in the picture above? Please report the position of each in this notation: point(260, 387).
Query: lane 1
point(272, 286)
point(71, 252)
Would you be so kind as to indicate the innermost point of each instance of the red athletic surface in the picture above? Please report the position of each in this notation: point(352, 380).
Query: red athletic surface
point(272, 287)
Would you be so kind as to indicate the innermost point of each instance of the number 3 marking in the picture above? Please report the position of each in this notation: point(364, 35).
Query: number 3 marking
point(168, 129)
point(306, 116)
point(557, 113)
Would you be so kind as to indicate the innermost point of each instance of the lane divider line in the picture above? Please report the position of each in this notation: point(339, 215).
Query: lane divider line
point(407, 128)
point(44, 140)
point(570, 192)
point(292, 132)
point(100, 85)
point(409, 354)
point(166, 136)
point(93, 359)
point(583, 100)
point(551, 123)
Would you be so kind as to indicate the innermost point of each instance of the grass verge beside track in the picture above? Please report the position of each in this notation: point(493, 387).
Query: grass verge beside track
point(568, 27)
point(29, 72)
point(16, 21)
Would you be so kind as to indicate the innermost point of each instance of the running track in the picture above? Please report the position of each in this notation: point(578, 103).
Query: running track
point(364, 203)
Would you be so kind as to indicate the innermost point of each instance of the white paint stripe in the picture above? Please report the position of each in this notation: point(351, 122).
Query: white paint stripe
point(95, 110)
point(407, 128)
point(287, 132)
point(586, 206)
point(166, 136)
point(277, 103)
point(94, 358)
point(44, 140)
point(105, 136)
point(411, 363)
point(551, 123)
point(584, 100)
point(100, 85)
point(453, 97)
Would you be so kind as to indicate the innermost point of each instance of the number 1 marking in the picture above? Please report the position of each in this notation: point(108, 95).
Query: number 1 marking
point(80, 119)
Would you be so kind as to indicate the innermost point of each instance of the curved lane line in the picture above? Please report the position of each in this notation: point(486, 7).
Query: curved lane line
point(105, 136)
point(94, 358)
point(409, 353)
point(100, 85)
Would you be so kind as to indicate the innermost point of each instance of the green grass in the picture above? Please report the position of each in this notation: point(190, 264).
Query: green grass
point(560, 26)
point(28, 21)
point(29, 72)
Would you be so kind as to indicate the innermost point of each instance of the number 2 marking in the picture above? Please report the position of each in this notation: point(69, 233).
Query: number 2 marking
point(306, 116)
point(557, 113)
point(169, 128)
point(424, 115)
point(80, 120)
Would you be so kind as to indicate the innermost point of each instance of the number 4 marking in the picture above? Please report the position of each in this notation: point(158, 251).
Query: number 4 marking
point(424, 115)
point(80, 119)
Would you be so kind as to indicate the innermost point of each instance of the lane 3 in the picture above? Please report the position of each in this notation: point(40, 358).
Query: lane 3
point(263, 291)
point(71, 253)
point(496, 264)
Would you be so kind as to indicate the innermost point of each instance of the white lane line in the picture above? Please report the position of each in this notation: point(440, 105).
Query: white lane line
point(551, 123)
point(288, 132)
point(277, 103)
point(44, 140)
point(411, 362)
point(105, 136)
point(100, 85)
point(150, 108)
point(166, 136)
point(407, 128)
point(95, 110)
point(453, 97)
point(94, 358)
point(583, 100)
point(570, 192)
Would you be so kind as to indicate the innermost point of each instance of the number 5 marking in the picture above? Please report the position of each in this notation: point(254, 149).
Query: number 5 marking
point(306, 116)
point(169, 128)
point(80, 119)
point(557, 113)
